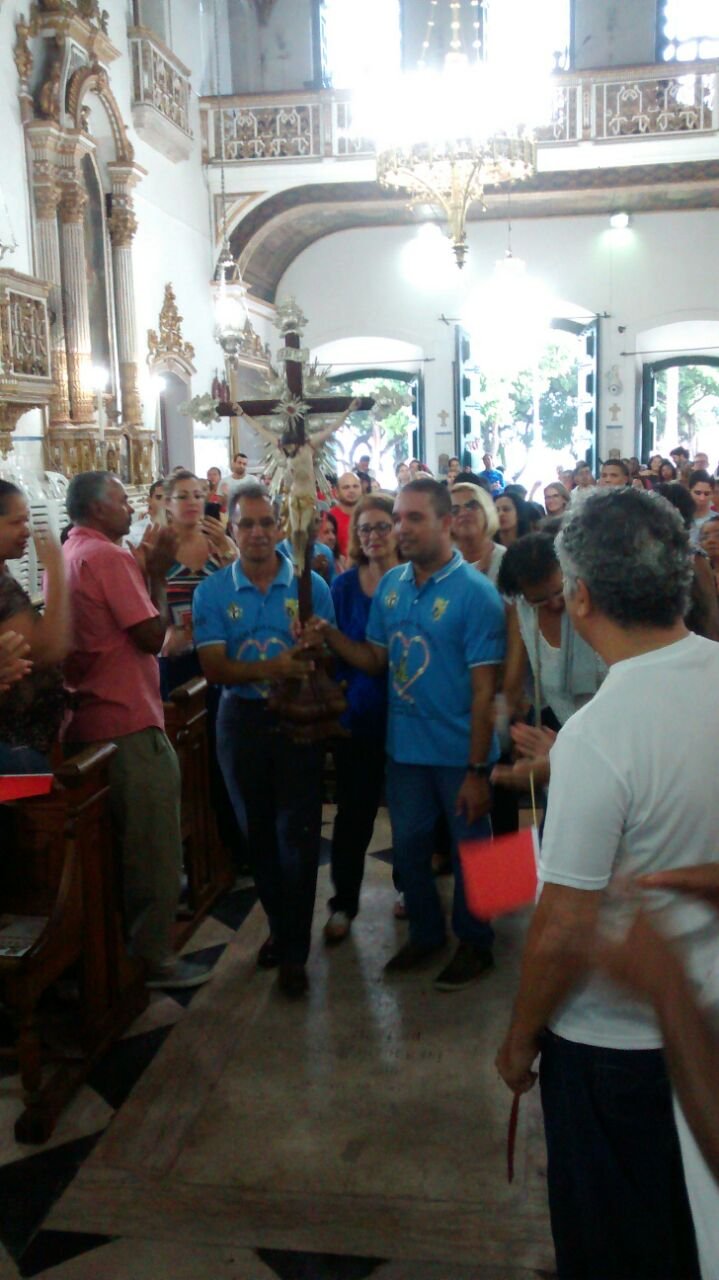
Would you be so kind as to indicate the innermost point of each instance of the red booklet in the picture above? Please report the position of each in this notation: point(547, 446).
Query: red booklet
point(16, 786)
point(500, 875)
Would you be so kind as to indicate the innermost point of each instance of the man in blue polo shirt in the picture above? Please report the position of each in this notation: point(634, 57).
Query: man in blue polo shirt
point(438, 626)
point(244, 626)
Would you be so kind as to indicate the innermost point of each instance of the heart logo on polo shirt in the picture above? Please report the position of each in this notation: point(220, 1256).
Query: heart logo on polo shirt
point(409, 659)
point(262, 648)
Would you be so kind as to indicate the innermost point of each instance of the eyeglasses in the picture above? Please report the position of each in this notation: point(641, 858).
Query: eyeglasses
point(553, 595)
point(473, 505)
point(265, 522)
point(383, 527)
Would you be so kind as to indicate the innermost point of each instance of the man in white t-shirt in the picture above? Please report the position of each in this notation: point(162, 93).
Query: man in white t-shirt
point(629, 794)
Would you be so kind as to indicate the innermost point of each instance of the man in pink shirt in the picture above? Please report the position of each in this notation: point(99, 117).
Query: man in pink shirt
point(119, 621)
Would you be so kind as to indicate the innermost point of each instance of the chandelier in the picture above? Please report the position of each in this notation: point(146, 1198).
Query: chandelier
point(446, 135)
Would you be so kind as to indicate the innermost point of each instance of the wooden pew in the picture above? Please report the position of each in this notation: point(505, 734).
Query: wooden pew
point(58, 879)
point(207, 865)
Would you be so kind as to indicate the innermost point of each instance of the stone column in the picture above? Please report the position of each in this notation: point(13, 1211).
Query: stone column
point(47, 239)
point(77, 311)
point(122, 225)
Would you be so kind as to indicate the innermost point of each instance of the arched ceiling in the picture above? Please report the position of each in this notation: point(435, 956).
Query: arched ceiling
point(269, 238)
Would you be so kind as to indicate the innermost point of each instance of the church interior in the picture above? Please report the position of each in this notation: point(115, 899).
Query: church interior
point(184, 184)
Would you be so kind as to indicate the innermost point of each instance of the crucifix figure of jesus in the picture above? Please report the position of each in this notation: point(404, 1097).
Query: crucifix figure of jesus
point(297, 443)
point(299, 475)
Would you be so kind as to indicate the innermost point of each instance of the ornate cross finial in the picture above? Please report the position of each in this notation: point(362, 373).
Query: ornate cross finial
point(289, 317)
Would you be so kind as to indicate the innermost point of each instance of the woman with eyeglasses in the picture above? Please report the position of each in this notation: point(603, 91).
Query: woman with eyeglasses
point(360, 757)
point(474, 524)
point(556, 499)
point(541, 640)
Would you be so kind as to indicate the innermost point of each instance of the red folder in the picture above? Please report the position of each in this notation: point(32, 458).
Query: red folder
point(500, 875)
point(16, 786)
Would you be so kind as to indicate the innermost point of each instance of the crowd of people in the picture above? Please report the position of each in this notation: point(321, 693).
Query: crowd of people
point(486, 642)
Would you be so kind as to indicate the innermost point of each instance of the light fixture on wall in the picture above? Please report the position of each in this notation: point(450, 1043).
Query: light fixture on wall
point(444, 136)
point(619, 221)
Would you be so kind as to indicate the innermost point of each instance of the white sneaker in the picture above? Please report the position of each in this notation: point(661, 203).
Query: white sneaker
point(337, 927)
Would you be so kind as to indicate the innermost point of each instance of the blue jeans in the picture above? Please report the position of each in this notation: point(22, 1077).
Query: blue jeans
point(275, 787)
point(617, 1197)
point(417, 796)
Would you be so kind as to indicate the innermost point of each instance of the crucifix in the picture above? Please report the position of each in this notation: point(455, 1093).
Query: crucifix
point(308, 710)
point(299, 446)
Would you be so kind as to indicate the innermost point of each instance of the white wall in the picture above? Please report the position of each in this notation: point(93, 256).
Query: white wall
point(661, 271)
point(614, 33)
point(274, 57)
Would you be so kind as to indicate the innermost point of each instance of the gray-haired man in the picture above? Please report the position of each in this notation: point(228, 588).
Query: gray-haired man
point(628, 795)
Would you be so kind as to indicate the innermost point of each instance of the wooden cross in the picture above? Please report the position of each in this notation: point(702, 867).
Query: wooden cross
point(315, 405)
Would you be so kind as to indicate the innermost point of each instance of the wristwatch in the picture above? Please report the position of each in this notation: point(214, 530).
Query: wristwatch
point(479, 770)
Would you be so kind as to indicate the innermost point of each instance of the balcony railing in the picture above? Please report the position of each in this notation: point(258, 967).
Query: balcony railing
point(301, 126)
point(639, 103)
point(160, 94)
point(593, 106)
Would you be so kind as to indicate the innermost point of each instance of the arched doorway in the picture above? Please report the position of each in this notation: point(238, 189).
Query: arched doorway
point(177, 446)
point(680, 405)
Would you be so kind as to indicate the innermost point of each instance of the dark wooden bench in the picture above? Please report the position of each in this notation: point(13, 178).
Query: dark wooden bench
point(60, 897)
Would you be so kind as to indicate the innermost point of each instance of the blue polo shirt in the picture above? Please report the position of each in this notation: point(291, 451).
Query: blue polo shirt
point(253, 626)
point(434, 635)
point(285, 549)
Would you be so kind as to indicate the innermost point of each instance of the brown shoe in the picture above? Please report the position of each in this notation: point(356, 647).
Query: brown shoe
point(292, 980)
point(410, 956)
point(268, 955)
point(337, 928)
point(468, 965)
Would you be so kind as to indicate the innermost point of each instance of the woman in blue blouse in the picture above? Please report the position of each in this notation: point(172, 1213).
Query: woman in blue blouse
point(359, 758)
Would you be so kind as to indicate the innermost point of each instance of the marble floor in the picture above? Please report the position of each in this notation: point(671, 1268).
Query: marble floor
point(361, 1132)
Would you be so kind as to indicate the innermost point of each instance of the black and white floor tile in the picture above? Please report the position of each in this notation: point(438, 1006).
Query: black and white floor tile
point(33, 1178)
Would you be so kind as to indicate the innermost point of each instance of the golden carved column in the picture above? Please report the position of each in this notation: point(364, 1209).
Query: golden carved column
point(122, 226)
point(77, 312)
point(47, 199)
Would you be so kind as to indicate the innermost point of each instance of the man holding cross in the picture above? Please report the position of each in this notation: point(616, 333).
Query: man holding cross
point(245, 622)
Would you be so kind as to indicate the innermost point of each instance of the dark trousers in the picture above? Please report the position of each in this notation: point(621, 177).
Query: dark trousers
point(276, 790)
point(360, 768)
point(418, 796)
point(617, 1196)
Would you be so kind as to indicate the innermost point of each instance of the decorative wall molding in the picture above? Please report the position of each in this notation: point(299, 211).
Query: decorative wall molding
point(25, 364)
point(166, 346)
point(62, 53)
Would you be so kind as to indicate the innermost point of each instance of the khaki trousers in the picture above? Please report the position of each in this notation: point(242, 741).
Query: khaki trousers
point(145, 814)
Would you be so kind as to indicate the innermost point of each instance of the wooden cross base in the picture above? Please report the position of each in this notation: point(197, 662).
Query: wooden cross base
point(309, 709)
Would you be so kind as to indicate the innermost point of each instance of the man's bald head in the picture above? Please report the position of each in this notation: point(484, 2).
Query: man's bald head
point(349, 489)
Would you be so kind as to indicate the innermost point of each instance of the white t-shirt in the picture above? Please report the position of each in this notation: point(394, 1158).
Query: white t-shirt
point(633, 790)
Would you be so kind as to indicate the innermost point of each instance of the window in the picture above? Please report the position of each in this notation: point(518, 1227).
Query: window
point(154, 15)
point(689, 29)
point(361, 41)
point(522, 33)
